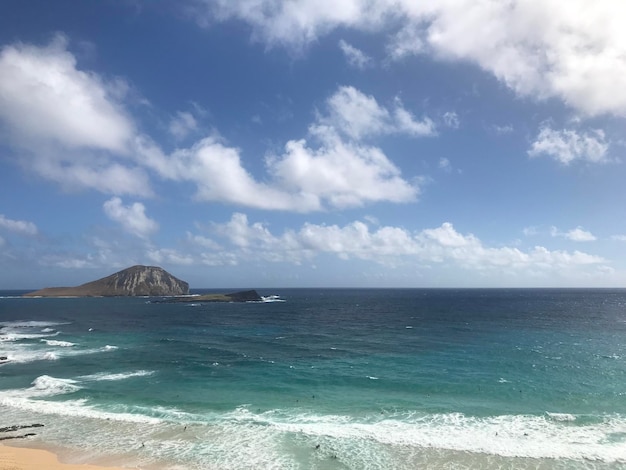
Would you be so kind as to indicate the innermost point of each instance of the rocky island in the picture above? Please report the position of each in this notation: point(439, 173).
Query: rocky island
point(145, 281)
point(133, 281)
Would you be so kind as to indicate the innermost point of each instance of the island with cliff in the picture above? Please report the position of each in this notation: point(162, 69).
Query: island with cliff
point(144, 281)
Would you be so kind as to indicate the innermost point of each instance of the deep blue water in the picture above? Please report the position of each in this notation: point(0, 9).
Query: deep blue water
point(389, 378)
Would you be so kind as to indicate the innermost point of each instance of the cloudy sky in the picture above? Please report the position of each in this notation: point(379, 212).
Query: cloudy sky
point(286, 143)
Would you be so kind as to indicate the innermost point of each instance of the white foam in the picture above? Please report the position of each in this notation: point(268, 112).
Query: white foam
point(20, 353)
point(33, 400)
point(30, 324)
point(45, 386)
point(561, 416)
point(74, 408)
point(272, 298)
point(49, 356)
point(62, 344)
point(507, 436)
point(116, 376)
point(10, 336)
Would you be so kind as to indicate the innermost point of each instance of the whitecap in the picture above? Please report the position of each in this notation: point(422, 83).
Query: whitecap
point(46, 385)
point(49, 356)
point(271, 298)
point(109, 376)
point(54, 342)
point(30, 324)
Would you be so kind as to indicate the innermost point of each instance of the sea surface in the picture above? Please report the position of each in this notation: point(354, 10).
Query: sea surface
point(323, 379)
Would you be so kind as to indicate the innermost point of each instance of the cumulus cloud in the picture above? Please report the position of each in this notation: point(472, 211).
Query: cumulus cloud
point(392, 246)
point(573, 50)
point(355, 57)
point(577, 234)
point(21, 227)
point(295, 24)
point(330, 169)
point(359, 116)
point(68, 125)
point(73, 129)
point(44, 96)
point(566, 146)
point(344, 174)
point(132, 218)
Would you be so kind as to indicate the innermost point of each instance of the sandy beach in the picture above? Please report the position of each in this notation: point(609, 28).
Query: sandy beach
point(21, 458)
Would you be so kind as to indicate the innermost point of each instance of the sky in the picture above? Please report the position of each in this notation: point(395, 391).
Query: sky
point(314, 143)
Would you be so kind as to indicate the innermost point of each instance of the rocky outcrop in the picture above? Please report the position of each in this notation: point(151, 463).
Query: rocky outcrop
point(133, 281)
point(243, 296)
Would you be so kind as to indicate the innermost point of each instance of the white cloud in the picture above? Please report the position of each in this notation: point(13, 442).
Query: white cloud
point(451, 119)
point(506, 129)
point(104, 176)
point(408, 41)
point(74, 131)
point(577, 234)
point(567, 146)
point(44, 96)
point(337, 172)
point(575, 50)
point(182, 125)
point(132, 218)
point(442, 245)
point(169, 256)
point(355, 57)
point(445, 165)
point(580, 235)
point(342, 173)
point(359, 116)
point(18, 226)
point(293, 23)
point(530, 231)
point(66, 124)
point(620, 238)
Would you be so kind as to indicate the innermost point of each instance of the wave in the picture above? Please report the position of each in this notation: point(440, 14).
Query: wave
point(45, 386)
point(117, 376)
point(54, 342)
point(521, 436)
point(271, 298)
point(17, 353)
point(31, 324)
point(13, 331)
point(393, 438)
point(12, 336)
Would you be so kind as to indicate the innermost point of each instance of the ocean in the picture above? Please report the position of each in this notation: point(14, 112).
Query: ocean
point(323, 379)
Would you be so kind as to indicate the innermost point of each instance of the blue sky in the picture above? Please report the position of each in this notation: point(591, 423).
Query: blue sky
point(266, 143)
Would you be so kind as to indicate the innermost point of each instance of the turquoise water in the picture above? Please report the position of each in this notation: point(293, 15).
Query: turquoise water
point(324, 379)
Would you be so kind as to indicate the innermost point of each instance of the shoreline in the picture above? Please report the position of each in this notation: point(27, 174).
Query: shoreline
point(30, 458)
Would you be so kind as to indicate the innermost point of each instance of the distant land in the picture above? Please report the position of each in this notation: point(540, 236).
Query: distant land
point(133, 281)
